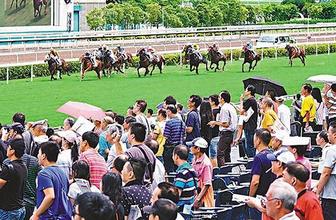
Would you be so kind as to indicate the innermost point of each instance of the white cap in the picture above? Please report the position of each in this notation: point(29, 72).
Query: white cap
point(296, 141)
point(198, 142)
point(283, 156)
point(68, 135)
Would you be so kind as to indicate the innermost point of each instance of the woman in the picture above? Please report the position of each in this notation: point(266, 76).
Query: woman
point(206, 117)
point(69, 152)
point(320, 108)
point(111, 186)
point(323, 142)
point(68, 123)
point(81, 184)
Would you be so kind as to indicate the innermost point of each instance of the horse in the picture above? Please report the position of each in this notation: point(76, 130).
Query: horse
point(127, 58)
point(38, 7)
point(194, 59)
point(54, 67)
point(249, 57)
point(295, 52)
point(215, 57)
point(23, 2)
point(144, 62)
point(87, 65)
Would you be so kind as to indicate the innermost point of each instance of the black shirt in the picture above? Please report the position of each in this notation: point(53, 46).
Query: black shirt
point(251, 124)
point(215, 129)
point(11, 194)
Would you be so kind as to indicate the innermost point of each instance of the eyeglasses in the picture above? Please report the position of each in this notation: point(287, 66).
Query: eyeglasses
point(264, 200)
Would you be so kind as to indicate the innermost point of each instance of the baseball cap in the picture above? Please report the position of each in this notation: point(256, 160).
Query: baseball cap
point(198, 142)
point(162, 207)
point(68, 135)
point(17, 127)
point(40, 122)
point(296, 141)
point(283, 156)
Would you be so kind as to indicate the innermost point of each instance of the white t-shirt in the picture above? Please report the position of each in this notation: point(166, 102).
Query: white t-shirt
point(228, 114)
point(79, 187)
point(284, 115)
point(320, 112)
point(159, 174)
point(64, 162)
point(113, 154)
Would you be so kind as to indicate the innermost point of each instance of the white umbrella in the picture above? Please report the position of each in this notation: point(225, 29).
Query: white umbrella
point(323, 79)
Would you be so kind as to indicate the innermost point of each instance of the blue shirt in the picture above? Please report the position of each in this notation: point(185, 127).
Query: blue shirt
point(103, 145)
point(54, 177)
point(261, 164)
point(174, 131)
point(193, 120)
point(186, 181)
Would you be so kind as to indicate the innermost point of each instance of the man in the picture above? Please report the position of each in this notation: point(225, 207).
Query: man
point(329, 98)
point(113, 135)
point(151, 120)
point(261, 177)
point(12, 179)
point(136, 137)
point(39, 132)
point(86, 208)
point(158, 132)
point(103, 145)
point(138, 109)
point(52, 186)
point(284, 113)
point(249, 109)
point(89, 154)
point(126, 125)
point(203, 168)
point(162, 209)
point(169, 100)
point(165, 190)
point(298, 147)
point(19, 117)
point(308, 205)
point(280, 160)
point(174, 134)
point(215, 108)
point(269, 115)
point(308, 109)
point(134, 192)
point(277, 141)
point(193, 127)
point(185, 180)
point(280, 201)
point(227, 122)
point(55, 56)
point(326, 187)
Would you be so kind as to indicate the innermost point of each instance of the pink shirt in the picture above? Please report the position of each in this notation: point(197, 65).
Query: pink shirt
point(203, 169)
point(97, 166)
point(307, 164)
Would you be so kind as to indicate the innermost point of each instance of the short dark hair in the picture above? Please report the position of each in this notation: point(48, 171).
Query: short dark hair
point(299, 171)
point(169, 191)
point(170, 100)
point(119, 119)
point(333, 87)
point(153, 145)
point(332, 126)
point(181, 151)
point(196, 99)
point(119, 162)
point(94, 205)
point(81, 170)
point(300, 149)
point(130, 119)
point(251, 89)
point(324, 135)
point(142, 104)
point(139, 131)
point(214, 98)
point(307, 87)
point(92, 138)
point(179, 106)
point(139, 167)
point(18, 146)
point(226, 96)
point(70, 121)
point(20, 118)
point(172, 108)
point(165, 209)
point(51, 150)
point(162, 112)
point(264, 135)
point(150, 111)
point(271, 94)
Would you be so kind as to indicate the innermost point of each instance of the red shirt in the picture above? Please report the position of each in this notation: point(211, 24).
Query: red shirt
point(308, 206)
point(97, 166)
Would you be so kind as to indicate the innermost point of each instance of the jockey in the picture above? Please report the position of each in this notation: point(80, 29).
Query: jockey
point(249, 46)
point(93, 57)
point(55, 56)
point(195, 51)
point(196, 47)
point(121, 51)
point(216, 49)
point(149, 52)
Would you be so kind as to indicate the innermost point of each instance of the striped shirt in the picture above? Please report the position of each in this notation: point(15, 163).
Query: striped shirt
point(174, 131)
point(97, 164)
point(186, 181)
point(332, 102)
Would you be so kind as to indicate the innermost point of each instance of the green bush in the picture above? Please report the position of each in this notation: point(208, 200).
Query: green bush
point(22, 72)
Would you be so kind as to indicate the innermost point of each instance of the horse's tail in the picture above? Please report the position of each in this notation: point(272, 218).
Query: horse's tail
point(258, 57)
point(303, 52)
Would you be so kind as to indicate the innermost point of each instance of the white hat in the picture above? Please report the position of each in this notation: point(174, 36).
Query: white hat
point(296, 141)
point(283, 156)
point(68, 135)
point(41, 122)
point(198, 142)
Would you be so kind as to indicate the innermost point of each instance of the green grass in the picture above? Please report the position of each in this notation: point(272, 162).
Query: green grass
point(41, 98)
point(22, 16)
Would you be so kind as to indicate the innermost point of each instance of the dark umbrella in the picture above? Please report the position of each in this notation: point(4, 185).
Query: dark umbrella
point(262, 85)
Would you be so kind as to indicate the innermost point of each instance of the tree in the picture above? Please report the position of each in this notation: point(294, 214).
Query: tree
point(96, 18)
point(154, 14)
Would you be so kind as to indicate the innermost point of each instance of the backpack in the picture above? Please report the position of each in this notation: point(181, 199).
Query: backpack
point(33, 147)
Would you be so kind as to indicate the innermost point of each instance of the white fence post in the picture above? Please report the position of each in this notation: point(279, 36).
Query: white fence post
point(262, 53)
point(7, 76)
point(31, 73)
point(276, 53)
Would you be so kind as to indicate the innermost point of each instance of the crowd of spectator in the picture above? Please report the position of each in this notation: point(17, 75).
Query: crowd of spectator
point(161, 165)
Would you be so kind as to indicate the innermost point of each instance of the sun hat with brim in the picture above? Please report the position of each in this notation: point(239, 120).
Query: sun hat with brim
point(68, 135)
point(280, 135)
point(163, 206)
point(296, 141)
point(198, 142)
point(40, 122)
point(283, 156)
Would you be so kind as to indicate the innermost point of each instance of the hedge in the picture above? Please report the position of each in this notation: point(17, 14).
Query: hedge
point(40, 70)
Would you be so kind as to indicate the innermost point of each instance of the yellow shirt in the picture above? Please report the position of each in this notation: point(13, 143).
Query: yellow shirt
point(160, 139)
point(308, 105)
point(269, 118)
